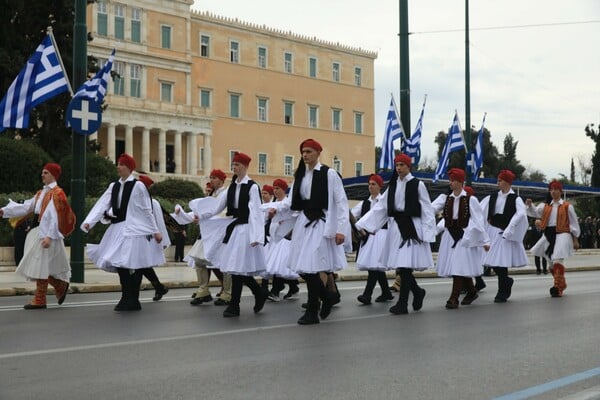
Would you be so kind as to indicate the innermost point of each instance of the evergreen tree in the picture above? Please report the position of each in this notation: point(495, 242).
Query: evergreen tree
point(508, 160)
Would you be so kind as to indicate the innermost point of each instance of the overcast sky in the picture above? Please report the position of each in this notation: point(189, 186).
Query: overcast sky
point(534, 64)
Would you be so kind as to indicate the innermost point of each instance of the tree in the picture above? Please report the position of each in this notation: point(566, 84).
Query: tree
point(572, 170)
point(508, 160)
point(21, 162)
point(594, 134)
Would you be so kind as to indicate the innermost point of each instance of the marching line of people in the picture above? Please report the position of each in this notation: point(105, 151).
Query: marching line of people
point(305, 232)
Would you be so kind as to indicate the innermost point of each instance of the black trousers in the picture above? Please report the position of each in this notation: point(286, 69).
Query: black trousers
point(408, 284)
point(237, 284)
point(316, 291)
point(373, 278)
point(130, 286)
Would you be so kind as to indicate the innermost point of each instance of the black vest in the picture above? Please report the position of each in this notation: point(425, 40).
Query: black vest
point(120, 210)
point(243, 211)
point(412, 206)
point(319, 190)
point(501, 221)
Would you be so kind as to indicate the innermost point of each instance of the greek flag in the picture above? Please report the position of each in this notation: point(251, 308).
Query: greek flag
point(95, 88)
point(393, 131)
point(454, 142)
point(42, 78)
point(413, 144)
point(476, 158)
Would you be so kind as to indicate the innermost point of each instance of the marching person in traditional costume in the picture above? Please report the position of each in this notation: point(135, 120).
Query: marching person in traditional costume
point(506, 226)
point(461, 248)
point(406, 208)
point(45, 259)
point(561, 231)
point(479, 282)
point(267, 195)
point(240, 252)
point(371, 246)
point(321, 234)
point(159, 289)
point(281, 221)
point(132, 241)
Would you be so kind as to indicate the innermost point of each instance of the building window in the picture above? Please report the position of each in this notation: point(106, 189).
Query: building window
point(119, 78)
point(358, 123)
point(288, 165)
point(166, 92)
point(204, 46)
point(288, 63)
point(357, 76)
point(262, 110)
point(312, 67)
point(234, 105)
point(358, 167)
point(136, 25)
point(288, 113)
point(337, 164)
point(234, 52)
point(136, 80)
point(102, 19)
point(313, 116)
point(262, 163)
point(262, 57)
point(336, 120)
point(165, 36)
point(204, 98)
point(335, 70)
point(119, 21)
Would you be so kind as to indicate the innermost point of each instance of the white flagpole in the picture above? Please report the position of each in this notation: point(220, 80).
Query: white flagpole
point(49, 32)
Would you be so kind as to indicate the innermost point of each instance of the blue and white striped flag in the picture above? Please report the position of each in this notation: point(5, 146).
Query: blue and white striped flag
point(413, 144)
point(454, 142)
point(393, 131)
point(476, 159)
point(95, 88)
point(42, 78)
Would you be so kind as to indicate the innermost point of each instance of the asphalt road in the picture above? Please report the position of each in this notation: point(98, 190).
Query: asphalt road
point(532, 347)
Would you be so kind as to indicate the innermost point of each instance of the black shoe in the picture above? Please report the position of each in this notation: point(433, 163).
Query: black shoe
point(160, 292)
point(364, 299)
point(199, 300)
point(64, 296)
point(418, 299)
point(330, 300)
point(554, 292)
point(259, 300)
point(221, 302)
point(34, 306)
point(469, 298)
point(231, 311)
point(545, 271)
point(309, 318)
point(399, 309)
point(128, 307)
point(194, 295)
point(480, 285)
point(450, 305)
point(384, 297)
point(538, 272)
point(499, 299)
point(292, 293)
point(305, 305)
point(509, 286)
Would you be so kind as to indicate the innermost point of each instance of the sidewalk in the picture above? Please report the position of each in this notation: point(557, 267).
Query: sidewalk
point(179, 275)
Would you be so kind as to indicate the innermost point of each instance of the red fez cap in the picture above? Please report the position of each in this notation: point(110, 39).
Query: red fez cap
point(469, 190)
point(280, 183)
point(555, 185)
point(268, 188)
point(126, 160)
point(377, 179)
point(54, 169)
point(457, 174)
point(217, 173)
point(241, 158)
point(403, 158)
point(313, 144)
point(507, 176)
point(146, 180)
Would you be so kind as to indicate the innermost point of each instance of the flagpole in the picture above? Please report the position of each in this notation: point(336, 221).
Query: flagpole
point(51, 34)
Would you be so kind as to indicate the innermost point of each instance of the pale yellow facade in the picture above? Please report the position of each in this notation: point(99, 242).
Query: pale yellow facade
point(196, 87)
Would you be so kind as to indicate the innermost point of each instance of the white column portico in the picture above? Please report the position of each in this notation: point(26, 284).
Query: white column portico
point(111, 139)
point(192, 153)
point(146, 149)
point(162, 150)
point(129, 140)
point(177, 151)
point(207, 153)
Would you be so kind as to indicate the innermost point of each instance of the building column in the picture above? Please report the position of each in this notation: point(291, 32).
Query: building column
point(129, 140)
point(192, 146)
point(111, 141)
point(177, 152)
point(208, 154)
point(162, 151)
point(146, 149)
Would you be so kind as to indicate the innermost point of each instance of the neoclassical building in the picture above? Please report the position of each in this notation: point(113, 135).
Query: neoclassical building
point(192, 88)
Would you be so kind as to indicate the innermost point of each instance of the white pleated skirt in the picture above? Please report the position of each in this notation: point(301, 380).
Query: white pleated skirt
point(237, 257)
point(276, 258)
point(370, 253)
point(196, 256)
point(415, 256)
point(39, 263)
point(460, 260)
point(504, 253)
point(118, 251)
point(311, 252)
point(563, 247)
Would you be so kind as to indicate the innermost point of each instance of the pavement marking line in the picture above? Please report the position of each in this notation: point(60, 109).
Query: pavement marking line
point(552, 385)
point(169, 339)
